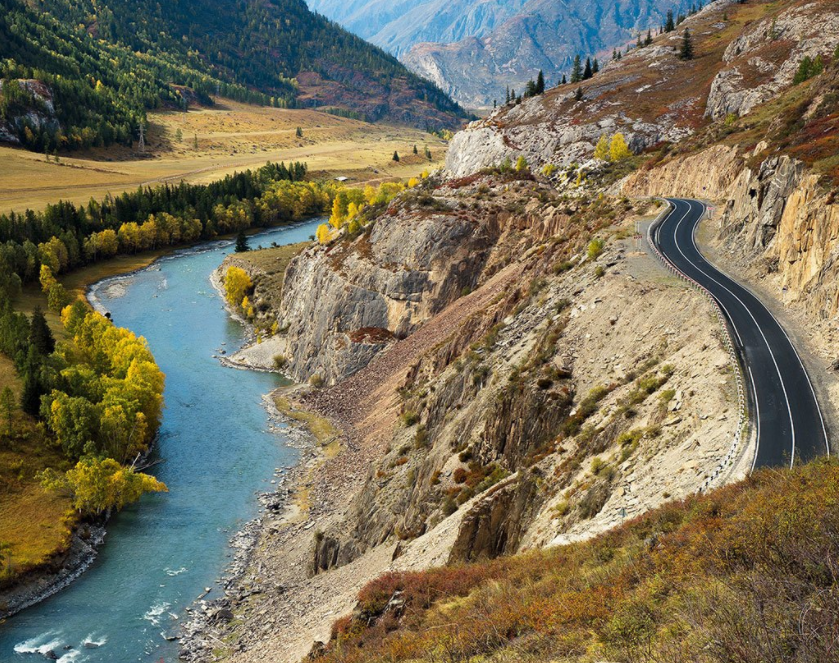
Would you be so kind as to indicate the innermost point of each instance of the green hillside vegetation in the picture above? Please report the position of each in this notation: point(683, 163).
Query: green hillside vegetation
point(108, 62)
point(746, 573)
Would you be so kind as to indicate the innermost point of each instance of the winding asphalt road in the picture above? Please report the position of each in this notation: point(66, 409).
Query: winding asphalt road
point(783, 404)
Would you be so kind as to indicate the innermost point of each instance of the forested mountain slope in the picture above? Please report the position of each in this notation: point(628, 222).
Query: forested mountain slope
point(118, 58)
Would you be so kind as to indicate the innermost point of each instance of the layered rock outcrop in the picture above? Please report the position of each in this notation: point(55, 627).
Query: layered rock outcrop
point(378, 288)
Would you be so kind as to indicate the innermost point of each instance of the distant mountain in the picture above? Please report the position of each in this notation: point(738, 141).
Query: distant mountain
point(108, 61)
point(473, 50)
point(396, 25)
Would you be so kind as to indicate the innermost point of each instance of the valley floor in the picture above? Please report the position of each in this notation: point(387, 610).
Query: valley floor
point(215, 142)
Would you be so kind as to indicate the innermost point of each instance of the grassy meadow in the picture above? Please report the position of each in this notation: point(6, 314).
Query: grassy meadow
point(205, 144)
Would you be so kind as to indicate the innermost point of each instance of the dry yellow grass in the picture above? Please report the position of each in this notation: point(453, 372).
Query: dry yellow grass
point(32, 520)
point(230, 137)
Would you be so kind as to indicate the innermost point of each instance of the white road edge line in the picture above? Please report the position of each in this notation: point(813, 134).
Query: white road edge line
point(751, 315)
point(789, 340)
point(653, 241)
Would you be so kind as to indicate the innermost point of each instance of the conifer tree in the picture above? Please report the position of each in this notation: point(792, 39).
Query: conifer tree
point(648, 39)
point(587, 71)
point(40, 336)
point(595, 66)
point(540, 83)
point(576, 70)
point(669, 25)
point(565, 80)
point(30, 397)
point(686, 51)
point(395, 156)
point(242, 242)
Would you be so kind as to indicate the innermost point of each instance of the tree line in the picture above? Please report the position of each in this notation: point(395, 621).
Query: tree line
point(66, 236)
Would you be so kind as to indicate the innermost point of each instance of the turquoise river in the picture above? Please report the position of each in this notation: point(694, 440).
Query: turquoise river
point(217, 450)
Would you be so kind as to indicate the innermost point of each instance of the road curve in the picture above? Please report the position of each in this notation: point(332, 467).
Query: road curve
point(782, 403)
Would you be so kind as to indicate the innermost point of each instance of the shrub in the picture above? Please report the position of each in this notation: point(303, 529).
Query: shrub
point(421, 437)
point(595, 248)
point(409, 418)
point(280, 361)
point(449, 506)
point(316, 380)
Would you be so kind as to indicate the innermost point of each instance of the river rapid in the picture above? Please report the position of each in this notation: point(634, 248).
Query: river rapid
point(218, 449)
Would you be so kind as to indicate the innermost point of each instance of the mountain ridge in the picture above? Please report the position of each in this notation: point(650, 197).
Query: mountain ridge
point(116, 59)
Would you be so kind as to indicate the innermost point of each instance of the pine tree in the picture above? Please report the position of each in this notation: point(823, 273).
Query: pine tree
point(507, 96)
point(578, 95)
point(614, 54)
point(576, 70)
point(565, 80)
point(395, 156)
point(242, 242)
point(540, 83)
point(648, 39)
point(427, 153)
point(595, 66)
point(669, 25)
point(30, 397)
point(686, 51)
point(299, 132)
point(529, 89)
point(40, 335)
point(587, 71)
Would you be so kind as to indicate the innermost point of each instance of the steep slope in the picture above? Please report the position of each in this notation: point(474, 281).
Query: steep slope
point(543, 35)
point(714, 578)
point(539, 384)
point(397, 26)
point(107, 62)
point(473, 50)
point(743, 53)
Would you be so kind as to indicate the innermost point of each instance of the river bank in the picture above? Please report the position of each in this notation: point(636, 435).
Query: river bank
point(217, 450)
point(65, 567)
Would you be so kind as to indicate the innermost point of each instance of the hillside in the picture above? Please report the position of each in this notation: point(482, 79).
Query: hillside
point(721, 577)
point(474, 50)
point(509, 367)
point(96, 69)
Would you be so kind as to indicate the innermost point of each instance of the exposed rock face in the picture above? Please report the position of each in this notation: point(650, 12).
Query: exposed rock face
point(486, 411)
point(779, 218)
point(382, 286)
point(38, 112)
point(763, 60)
point(542, 132)
point(709, 174)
